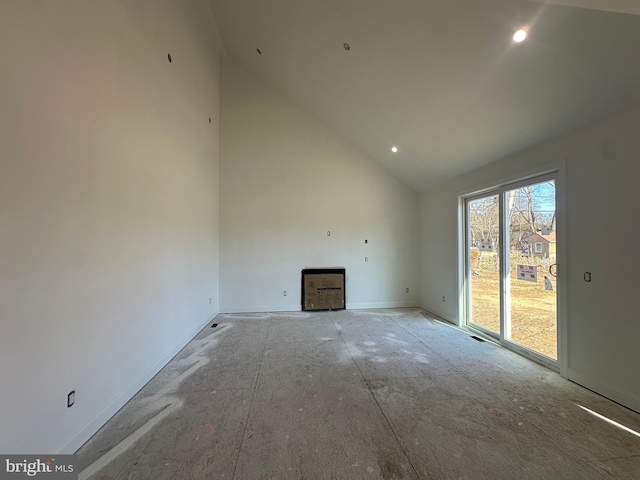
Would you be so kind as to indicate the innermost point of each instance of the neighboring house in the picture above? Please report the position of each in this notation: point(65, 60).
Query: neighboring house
point(542, 246)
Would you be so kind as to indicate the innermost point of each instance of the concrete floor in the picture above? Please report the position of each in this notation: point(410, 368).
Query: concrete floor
point(385, 394)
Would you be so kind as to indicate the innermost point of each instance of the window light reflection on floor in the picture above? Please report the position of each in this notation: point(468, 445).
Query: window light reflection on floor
point(608, 420)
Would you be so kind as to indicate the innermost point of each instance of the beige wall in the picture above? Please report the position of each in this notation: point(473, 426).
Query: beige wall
point(286, 181)
point(108, 206)
point(602, 170)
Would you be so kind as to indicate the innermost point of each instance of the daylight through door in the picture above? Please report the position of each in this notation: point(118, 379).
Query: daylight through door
point(512, 265)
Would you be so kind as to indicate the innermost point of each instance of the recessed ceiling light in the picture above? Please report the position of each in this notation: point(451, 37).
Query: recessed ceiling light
point(394, 149)
point(520, 35)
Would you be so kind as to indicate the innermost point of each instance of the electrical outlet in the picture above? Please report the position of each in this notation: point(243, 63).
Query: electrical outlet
point(443, 299)
point(71, 398)
point(284, 294)
point(209, 300)
point(407, 289)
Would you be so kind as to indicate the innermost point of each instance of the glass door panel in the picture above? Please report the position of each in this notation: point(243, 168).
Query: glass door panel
point(483, 262)
point(531, 304)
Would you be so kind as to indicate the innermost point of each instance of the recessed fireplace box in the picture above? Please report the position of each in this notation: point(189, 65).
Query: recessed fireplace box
point(323, 288)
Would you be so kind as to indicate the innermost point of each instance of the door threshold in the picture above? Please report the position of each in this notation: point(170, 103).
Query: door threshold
point(514, 347)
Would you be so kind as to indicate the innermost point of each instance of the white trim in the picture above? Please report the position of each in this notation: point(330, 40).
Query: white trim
point(531, 355)
point(267, 309)
point(361, 306)
point(463, 262)
point(623, 398)
point(504, 259)
point(437, 313)
point(561, 271)
point(513, 179)
point(298, 308)
point(85, 433)
point(558, 171)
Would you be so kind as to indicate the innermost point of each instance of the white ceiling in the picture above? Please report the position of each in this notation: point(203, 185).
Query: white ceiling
point(442, 80)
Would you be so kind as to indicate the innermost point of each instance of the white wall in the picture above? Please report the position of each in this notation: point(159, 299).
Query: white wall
point(108, 206)
point(286, 181)
point(602, 171)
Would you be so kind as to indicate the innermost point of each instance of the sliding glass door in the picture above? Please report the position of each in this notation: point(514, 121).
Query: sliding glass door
point(511, 288)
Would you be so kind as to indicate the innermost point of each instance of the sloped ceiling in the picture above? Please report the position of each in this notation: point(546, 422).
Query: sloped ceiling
point(442, 80)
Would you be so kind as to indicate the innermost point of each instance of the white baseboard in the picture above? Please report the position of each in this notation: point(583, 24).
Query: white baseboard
point(298, 308)
point(442, 315)
point(86, 432)
point(623, 398)
point(280, 308)
point(362, 306)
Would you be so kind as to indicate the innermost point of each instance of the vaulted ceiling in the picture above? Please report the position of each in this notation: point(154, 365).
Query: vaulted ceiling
point(441, 80)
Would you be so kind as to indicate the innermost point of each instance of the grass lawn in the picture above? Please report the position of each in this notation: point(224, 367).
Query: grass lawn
point(533, 309)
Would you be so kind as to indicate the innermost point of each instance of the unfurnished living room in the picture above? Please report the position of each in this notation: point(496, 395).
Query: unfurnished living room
point(319, 239)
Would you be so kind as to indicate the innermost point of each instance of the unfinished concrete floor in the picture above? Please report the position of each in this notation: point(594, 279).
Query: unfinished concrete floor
point(359, 394)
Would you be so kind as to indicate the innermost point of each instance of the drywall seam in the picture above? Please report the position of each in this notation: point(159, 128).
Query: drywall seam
point(624, 398)
point(222, 51)
point(86, 432)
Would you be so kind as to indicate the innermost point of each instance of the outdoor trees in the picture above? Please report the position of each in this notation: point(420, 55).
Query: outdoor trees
point(485, 219)
point(530, 209)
